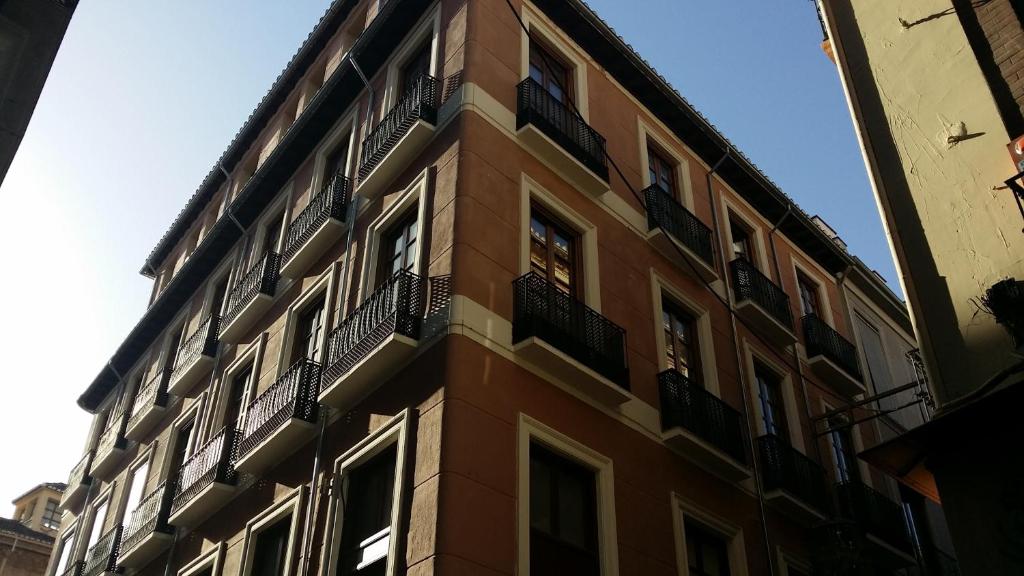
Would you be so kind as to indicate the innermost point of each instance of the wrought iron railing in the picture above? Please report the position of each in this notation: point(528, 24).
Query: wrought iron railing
point(672, 217)
point(562, 124)
point(149, 517)
point(822, 339)
point(687, 405)
point(292, 396)
point(102, 557)
point(153, 393)
point(750, 284)
point(113, 437)
point(396, 307)
point(873, 511)
point(330, 202)
point(260, 279)
point(212, 463)
point(540, 309)
point(80, 473)
point(784, 468)
point(202, 342)
point(74, 569)
point(419, 102)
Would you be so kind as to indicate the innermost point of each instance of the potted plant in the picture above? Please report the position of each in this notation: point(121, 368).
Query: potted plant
point(1005, 302)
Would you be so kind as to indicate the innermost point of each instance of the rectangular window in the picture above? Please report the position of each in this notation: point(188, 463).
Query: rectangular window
point(844, 455)
point(399, 248)
point(237, 394)
point(272, 235)
point(550, 72)
point(554, 252)
point(808, 295)
point(137, 487)
point(182, 447)
point(27, 512)
point(681, 346)
point(99, 518)
point(773, 410)
point(742, 242)
point(271, 549)
point(67, 545)
point(170, 361)
point(707, 553)
point(366, 524)
point(51, 514)
point(309, 332)
point(337, 161)
point(217, 298)
point(661, 171)
point(563, 516)
point(416, 66)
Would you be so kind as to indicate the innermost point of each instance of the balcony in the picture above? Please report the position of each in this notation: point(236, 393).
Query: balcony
point(568, 339)
point(102, 557)
point(374, 340)
point(761, 303)
point(792, 482)
point(250, 298)
point(205, 482)
point(679, 235)
point(149, 406)
point(279, 419)
point(147, 533)
point(561, 138)
point(194, 357)
point(880, 518)
point(399, 136)
point(320, 224)
point(832, 357)
point(702, 427)
point(111, 445)
point(74, 569)
point(78, 483)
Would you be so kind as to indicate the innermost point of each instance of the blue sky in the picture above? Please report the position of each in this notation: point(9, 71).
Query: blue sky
point(144, 97)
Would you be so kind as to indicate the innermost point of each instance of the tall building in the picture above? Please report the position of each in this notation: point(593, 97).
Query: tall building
point(475, 291)
point(26, 540)
point(936, 91)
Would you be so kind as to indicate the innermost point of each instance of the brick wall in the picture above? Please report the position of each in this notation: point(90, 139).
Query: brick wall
point(1000, 24)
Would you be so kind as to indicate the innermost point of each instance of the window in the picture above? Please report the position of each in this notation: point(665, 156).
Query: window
point(271, 235)
point(550, 72)
point(337, 161)
point(417, 65)
point(554, 252)
point(27, 512)
point(742, 241)
point(309, 332)
point(662, 172)
point(271, 550)
point(51, 514)
point(99, 517)
point(844, 454)
point(707, 553)
point(217, 297)
point(366, 524)
point(171, 359)
point(808, 295)
point(237, 395)
point(182, 447)
point(137, 483)
point(773, 412)
point(398, 251)
point(67, 546)
point(681, 348)
point(563, 516)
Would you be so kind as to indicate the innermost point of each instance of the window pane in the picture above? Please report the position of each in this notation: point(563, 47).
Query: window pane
point(563, 516)
point(368, 503)
point(271, 548)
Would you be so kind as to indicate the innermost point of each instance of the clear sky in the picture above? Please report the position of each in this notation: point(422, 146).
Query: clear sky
point(144, 96)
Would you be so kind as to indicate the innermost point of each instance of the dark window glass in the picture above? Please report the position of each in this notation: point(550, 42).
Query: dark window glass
point(563, 516)
point(682, 352)
point(843, 452)
point(662, 172)
point(398, 249)
point(170, 362)
point(417, 65)
point(706, 552)
point(336, 161)
point(271, 548)
point(237, 395)
point(808, 295)
point(553, 250)
point(550, 72)
point(309, 332)
point(772, 407)
point(182, 448)
point(272, 234)
point(742, 243)
point(217, 301)
point(366, 525)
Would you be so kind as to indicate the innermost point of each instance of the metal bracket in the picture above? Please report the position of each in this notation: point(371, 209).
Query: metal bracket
point(1017, 185)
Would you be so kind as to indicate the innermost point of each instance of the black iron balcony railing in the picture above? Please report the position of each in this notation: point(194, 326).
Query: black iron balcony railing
point(563, 125)
point(149, 517)
point(419, 102)
point(663, 211)
point(74, 569)
point(202, 342)
point(212, 463)
point(750, 284)
point(874, 512)
point(330, 202)
point(113, 437)
point(687, 405)
point(784, 468)
point(102, 557)
point(80, 473)
point(260, 279)
point(540, 309)
point(153, 393)
point(292, 396)
point(822, 339)
point(396, 307)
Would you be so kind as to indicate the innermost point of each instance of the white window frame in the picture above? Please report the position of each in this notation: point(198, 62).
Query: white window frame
point(428, 27)
point(415, 194)
point(324, 284)
point(858, 447)
point(212, 558)
point(347, 128)
point(282, 205)
point(554, 40)
point(683, 509)
point(731, 211)
point(705, 334)
point(796, 432)
point(60, 543)
point(290, 505)
point(253, 353)
point(394, 432)
point(146, 458)
point(530, 430)
point(223, 272)
point(646, 134)
point(104, 497)
point(799, 269)
point(193, 412)
point(532, 192)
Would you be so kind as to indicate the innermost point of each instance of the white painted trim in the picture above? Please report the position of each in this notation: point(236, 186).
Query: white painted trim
point(222, 272)
point(750, 354)
point(60, 542)
point(824, 301)
point(393, 432)
point(282, 205)
point(106, 496)
point(290, 505)
point(705, 333)
point(324, 284)
point(252, 353)
point(728, 211)
point(539, 25)
point(531, 191)
point(146, 458)
point(212, 558)
point(347, 126)
point(193, 412)
point(530, 430)
point(429, 26)
point(683, 509)
point(682, 166)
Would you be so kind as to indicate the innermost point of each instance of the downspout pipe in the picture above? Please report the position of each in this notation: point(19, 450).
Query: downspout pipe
point(369, 89)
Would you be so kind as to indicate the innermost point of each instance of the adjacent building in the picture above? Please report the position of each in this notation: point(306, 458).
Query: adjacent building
point(936, 90)
point(26, 540)
point(475, 291)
